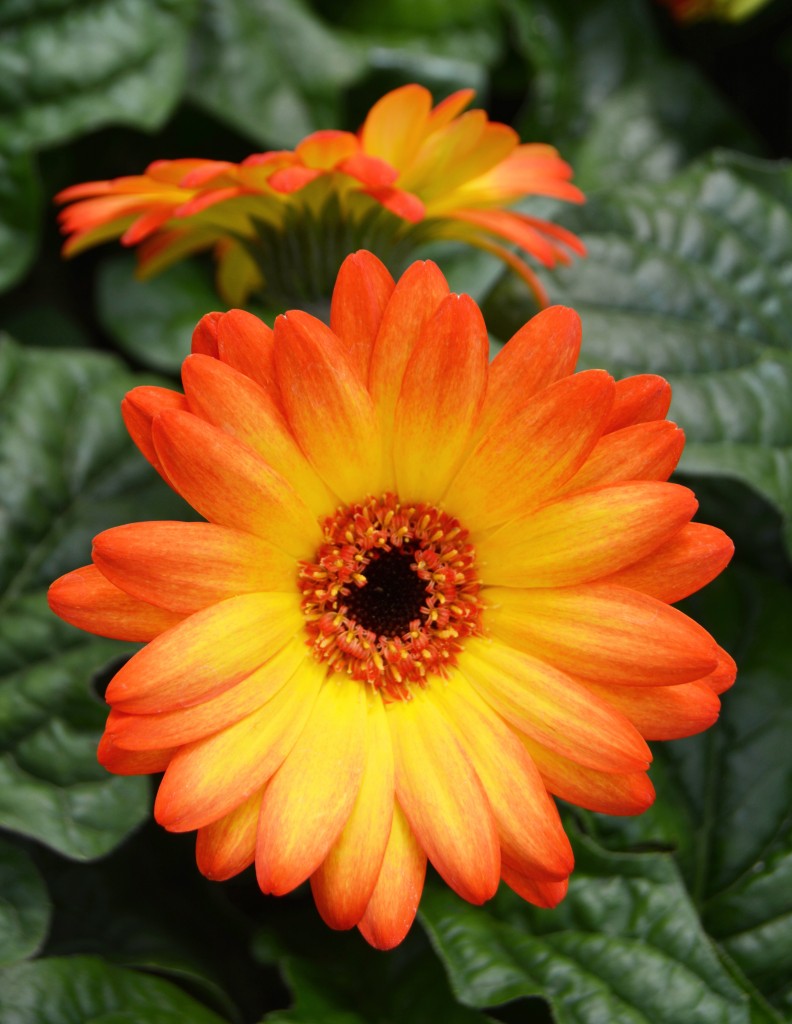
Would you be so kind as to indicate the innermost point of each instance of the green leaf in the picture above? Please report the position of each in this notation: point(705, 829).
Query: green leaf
point(152, 321)
point(730, 789)
point(607, 93)
point(86, 990)
point(625, 947)
point(690, 279)
point(271, 68)
point(67, 471)
point(70, 66)
point(20, 210)
point(24, 906)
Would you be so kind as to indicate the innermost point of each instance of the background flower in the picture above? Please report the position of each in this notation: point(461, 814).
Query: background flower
point(393, 645)
point(441, 173)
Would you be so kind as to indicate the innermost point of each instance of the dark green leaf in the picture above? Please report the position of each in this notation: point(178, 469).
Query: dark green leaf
point(86, 990)
point(20, 206)
point(24, 906)
point(730, 789)
point(69, 66)
point(67, 471)
point(691, 280)
point(624, 947)
point(271, 68)
point(607, 93)
point(152, 321)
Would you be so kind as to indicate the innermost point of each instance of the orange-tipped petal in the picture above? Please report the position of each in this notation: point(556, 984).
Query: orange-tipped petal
point(609, 793)
point(540, 353)
point(247, 344)
point(311, 797)
point(188, 724)
point(535, 550)
point(206, 654)
point(416, 298)
point(204, 337)
point(645, 451)
point(139, 408)
point(685, 563)
point(554, 709)
point(603, 633)
point(360, 296)
point(396, 125)
point(663, 712)
point(540, 893)
point(520, 465)
point(228, 845)
point(131, 762)
point(329, 408)
point(229, 484)
point(342, 885)
point(394, 901)
point(87, 599)
point(639, 400)
point(442, 389)
point(207, 779)
point(443, 799)
point(241, 408)
point(187, 566)
point(529, 828)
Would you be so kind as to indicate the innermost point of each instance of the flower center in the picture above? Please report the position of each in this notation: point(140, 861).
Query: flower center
point(392, 593)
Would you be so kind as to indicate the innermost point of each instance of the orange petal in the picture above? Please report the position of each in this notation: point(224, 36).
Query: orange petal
point(86, 599)
point(131, 762)
point(418, 293)
point(443, 386)
point(663, 712)
point(585, 536)
point(394, 901)
point(206, 654)
point(360, 295)
point(204, 337)
point(329, 408)
point(681, 566)
point(241, 408)
point(396, 125)
point(247, 344)
point(522, 464)
point(186, 725)
point(311, 797)
point(231, 485)
point(187, 566)
point(540, 893)
point(325, 148)
point(227, 846)
point(603, 633)
point(139, 408)
point(639, 399)
point(646, 451)
point(605, 792)
point(553, 708)
point(531, 835)
point(540, 353)
point(443, 799)
point(724, 673)
point(342, 885)
point(208, 779)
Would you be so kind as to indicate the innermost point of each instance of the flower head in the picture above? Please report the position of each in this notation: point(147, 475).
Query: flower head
point(411, 174)
point(429, 593)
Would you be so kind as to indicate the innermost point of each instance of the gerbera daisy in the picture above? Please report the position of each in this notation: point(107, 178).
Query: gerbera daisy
point(429, 594)
point(413, 173)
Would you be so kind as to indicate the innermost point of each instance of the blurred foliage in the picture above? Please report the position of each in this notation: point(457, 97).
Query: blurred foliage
point(681, 916)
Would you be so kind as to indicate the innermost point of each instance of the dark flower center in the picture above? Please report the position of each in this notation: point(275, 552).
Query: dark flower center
point(393, 595)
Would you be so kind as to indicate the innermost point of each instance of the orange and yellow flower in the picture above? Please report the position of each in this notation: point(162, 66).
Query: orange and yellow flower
point(429, 594)
point(412, 173)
